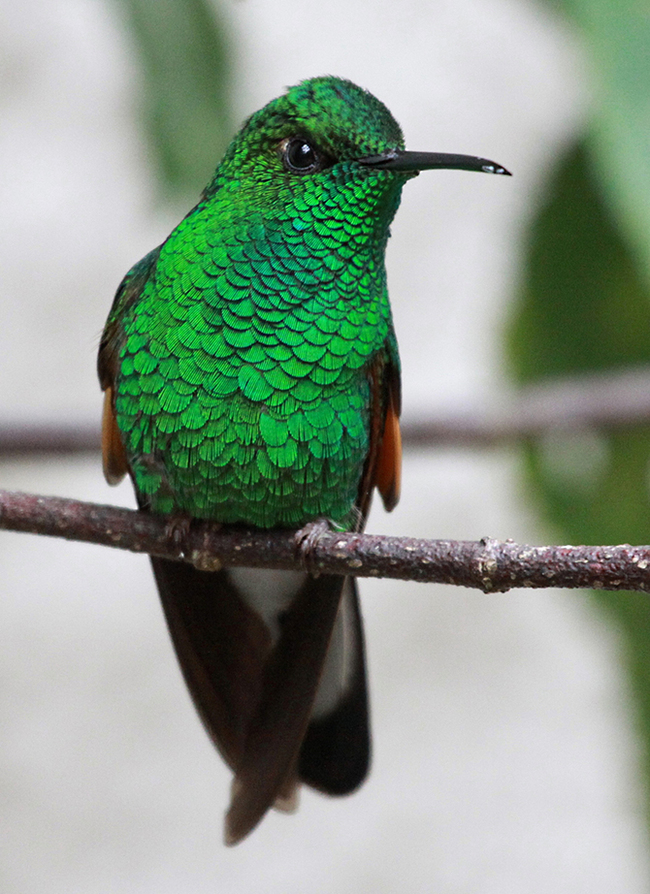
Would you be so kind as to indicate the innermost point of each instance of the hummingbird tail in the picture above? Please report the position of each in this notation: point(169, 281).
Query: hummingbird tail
point(335, 753)
point(291, 682)
point(282, 693)
point(221, 645)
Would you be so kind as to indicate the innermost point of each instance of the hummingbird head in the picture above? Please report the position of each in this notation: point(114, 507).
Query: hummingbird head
point(314, 126)
point(324, 122)
point(325, 140)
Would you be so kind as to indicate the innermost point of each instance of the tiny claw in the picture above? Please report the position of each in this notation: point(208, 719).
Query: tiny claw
point(177, 530)
point(306, 540)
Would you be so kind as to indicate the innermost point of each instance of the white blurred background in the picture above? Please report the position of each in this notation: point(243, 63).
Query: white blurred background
point(504, 757)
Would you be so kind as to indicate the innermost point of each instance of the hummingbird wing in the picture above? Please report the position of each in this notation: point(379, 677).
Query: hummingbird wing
point(388, 471)
point(335, 752)
point(222, 647)
point(383, 468)
point(291, 681)
point(114, 457)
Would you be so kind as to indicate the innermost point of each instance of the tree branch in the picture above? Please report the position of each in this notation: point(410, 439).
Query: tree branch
point(606, 401)
point(611, 400)
point(20, 440)
point(489, 565)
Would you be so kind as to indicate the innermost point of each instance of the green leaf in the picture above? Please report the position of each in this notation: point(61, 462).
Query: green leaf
point(184, 51)
point(617, 41)
point(585, 306)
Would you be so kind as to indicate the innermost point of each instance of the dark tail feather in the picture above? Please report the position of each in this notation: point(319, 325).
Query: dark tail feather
point(221, 645)
point(335, 753)
point(256, 700)
point(290, 684)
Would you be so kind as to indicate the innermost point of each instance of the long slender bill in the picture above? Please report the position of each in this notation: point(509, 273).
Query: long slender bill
point(400, 160)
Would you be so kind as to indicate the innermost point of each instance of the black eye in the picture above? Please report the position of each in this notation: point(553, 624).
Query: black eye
point(300, 156)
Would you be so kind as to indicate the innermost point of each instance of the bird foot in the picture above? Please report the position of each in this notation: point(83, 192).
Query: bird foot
point(306, 540)
point(177, 530)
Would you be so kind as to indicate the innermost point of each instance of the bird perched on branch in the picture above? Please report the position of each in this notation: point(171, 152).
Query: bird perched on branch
point(251, 377)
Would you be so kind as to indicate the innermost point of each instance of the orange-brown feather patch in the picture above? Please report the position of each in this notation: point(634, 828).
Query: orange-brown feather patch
point(114, 459)
point(388, 473)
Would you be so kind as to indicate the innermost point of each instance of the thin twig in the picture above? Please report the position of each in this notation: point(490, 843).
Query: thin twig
point(18, 440)
point(611, 400)
point(489, 565)
point(606, 401)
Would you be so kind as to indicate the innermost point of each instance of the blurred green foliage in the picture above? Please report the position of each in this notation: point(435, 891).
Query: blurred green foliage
point(617, 39)
point(184, 51)
point(584, 305)
point(584, 302)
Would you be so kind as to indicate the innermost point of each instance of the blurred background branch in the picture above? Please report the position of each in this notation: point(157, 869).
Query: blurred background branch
point(608, 401)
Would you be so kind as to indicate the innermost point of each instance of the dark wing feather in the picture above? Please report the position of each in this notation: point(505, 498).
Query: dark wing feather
point(383, 467)
point(222, 647)
point(112, 339)
point(335, 753)
point(278, 728)
point(114, 457)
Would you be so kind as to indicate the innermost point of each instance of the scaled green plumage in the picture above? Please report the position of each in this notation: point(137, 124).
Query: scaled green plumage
point(242, 389)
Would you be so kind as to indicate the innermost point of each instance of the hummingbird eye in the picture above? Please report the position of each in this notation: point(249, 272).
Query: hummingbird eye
point(300, 157)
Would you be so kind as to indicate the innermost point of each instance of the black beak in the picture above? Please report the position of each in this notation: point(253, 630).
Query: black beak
point(399, 160)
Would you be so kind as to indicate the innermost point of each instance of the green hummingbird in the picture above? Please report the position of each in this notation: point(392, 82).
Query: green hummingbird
point(252, 377)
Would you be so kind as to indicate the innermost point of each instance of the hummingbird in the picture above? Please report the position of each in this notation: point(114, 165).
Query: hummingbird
point(251, 377)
